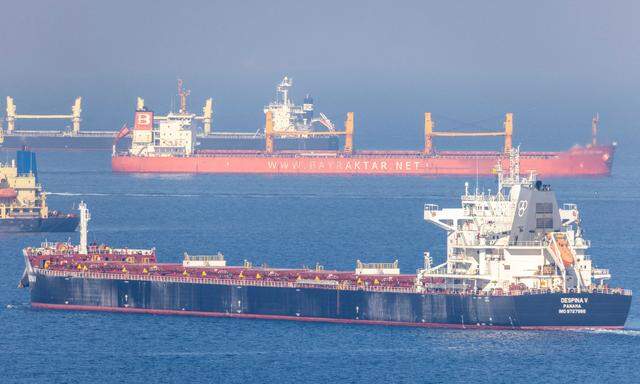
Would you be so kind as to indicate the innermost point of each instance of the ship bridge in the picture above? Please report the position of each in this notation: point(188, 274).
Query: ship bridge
point(516, 237)
point(292, 118)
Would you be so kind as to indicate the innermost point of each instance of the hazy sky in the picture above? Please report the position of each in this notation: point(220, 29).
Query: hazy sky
point(553, 63)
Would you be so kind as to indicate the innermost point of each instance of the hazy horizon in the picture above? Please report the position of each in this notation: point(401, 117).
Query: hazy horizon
point(554, 64)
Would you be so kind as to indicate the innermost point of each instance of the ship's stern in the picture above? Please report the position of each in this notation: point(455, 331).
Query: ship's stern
point(597, 310)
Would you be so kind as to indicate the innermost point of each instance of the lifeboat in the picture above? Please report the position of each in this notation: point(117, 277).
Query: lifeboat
point(8, 193)
point(563, 249)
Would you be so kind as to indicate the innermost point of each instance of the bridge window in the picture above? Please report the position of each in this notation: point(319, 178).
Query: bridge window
point(544, 222)
point(544, 207)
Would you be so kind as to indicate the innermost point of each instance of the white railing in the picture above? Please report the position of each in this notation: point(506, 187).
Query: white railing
point(533, 243)
point(238, 282)
point(361, 265)
point(218, 257)
point(431, 207)
point(305, 284)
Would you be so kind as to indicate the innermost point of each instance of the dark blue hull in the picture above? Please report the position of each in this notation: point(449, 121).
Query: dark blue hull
point(50, 224)
point(554, 310)
point(63, 143)
point(105, 143)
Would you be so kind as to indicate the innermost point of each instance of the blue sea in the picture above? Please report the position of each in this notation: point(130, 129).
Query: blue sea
point(295, 221)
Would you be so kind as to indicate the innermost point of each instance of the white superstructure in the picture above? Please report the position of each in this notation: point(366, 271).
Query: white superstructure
point(85, 216)
point(174, 135)
point(517, 238)
point(288, 117)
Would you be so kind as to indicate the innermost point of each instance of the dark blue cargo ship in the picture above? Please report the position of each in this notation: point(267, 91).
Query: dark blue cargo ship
point(58, 223)
point(229, 141)
point(73, 290)
point(515, 260)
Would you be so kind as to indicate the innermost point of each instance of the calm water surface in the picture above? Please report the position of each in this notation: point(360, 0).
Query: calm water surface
point(295, 221)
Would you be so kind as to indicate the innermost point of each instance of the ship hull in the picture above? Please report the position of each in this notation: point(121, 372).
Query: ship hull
point(63, 142)
point(541, 311)
point(87, 142)
point(595, 161)
point(50, 224)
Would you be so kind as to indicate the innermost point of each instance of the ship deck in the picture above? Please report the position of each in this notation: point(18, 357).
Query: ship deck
point(366, 154)
point(385, 154)
point(130, 264)
point(66, 134)
point(141, 264)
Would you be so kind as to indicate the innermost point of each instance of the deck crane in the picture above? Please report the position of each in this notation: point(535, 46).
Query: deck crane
point(12, 115)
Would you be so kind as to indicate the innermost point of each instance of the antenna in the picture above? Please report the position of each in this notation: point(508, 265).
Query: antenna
point(511, 178)
point(594, 129)
point(477, 176)
point(514, 164)
point(500, 173)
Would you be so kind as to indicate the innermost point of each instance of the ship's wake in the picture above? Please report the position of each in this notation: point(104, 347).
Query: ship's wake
point(76, 194)
point(255, 195)
point(624, 332)
point(18, 306)
point(125, 194)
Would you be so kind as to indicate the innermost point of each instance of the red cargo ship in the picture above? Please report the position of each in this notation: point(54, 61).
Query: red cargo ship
point(171, 148)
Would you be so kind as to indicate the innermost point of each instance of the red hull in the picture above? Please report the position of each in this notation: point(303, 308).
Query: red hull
point(579, 161)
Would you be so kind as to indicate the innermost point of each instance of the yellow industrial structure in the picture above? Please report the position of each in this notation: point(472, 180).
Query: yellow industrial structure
point(271, 134)
point(429, 133)
point(12, 115)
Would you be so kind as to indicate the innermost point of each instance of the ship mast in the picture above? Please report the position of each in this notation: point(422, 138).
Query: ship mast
point(506, 180)
point(594, 129)
point(283, 88)
point(84, 220)
point(182, 94)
